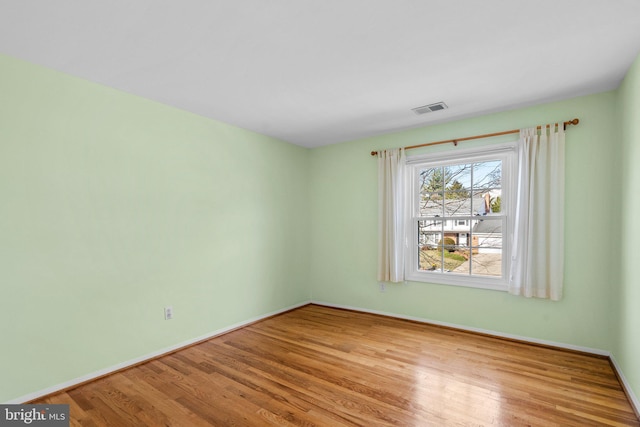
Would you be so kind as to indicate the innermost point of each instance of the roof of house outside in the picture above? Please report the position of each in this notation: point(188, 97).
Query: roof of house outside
point(488, 226)
point(454, 207)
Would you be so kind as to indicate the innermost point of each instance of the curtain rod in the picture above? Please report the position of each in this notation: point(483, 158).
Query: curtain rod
point(487, 135)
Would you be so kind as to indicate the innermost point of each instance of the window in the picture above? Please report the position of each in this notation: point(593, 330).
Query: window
point(460, 217)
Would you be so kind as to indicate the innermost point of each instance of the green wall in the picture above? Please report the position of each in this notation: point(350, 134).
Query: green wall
point(113, 206)
point(627, 349)
point(344, 218)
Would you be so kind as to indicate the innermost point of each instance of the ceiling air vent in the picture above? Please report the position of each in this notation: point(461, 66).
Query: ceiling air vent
point(430, 108)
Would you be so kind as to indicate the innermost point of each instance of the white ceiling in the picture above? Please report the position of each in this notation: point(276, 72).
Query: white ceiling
point(325, 71)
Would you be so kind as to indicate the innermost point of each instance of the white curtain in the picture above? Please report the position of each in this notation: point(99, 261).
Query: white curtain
point(537, 267)
point(391, 167)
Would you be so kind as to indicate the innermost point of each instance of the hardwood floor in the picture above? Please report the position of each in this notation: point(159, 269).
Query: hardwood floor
point(328, 367)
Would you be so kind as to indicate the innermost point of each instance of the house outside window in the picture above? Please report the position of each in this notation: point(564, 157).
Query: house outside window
point(460, 216)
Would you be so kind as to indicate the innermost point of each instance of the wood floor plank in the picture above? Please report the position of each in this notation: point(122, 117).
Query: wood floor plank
point(320, 366)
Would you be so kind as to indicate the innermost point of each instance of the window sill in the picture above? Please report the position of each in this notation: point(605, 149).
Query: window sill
point(453, 279)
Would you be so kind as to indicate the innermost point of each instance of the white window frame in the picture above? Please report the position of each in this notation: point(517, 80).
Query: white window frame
point(508, 155)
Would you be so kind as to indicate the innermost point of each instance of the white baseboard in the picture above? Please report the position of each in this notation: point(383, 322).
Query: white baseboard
point(106, 371)
point(633, 399)
point(627, 387)
point(471, 329)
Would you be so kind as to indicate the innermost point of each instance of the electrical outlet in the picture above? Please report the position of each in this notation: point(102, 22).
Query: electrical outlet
point(382, 287)
point(168, 313)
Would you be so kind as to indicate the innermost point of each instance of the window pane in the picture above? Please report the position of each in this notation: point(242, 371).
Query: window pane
point(486, 257)
point(431, 192)
point(457, 192)
point(437, 260)
point(457, 260)
point(487, 187)
point(429, 259)
point(458, 177)
point(487, 175)
point(430, 205)
point(429, 233)
point(457, 204)
point(439, 247)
